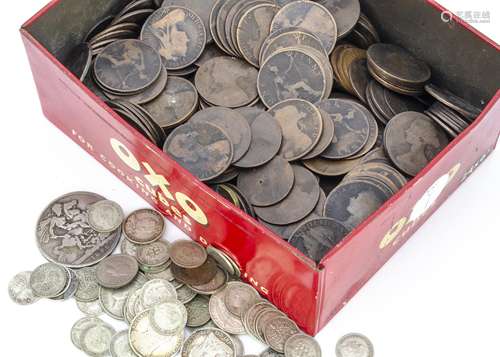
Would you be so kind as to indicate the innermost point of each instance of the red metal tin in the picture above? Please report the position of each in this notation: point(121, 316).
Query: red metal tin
point(309, 294)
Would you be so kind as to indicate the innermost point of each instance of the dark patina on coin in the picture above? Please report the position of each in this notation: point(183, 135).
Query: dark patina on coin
point(453, 101)
point(234, 125)
point(316, 237)
point(64, 235)
point(301, 124)
point(177, 33)
point(311, 17)
point(227, 82)
point(79, 60)
point(127, 66)
point(298, 204)
point(351, 128)
point(326, 137)
point(268, 184)
point(345, 12)
point(196, 276)
point(266, 139)
point(187, 254)
point(144, 226)
point(412, 140)
point(201, 148)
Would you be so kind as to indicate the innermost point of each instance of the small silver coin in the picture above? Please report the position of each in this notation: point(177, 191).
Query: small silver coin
point(222, 317)
point(354, 345)
point(301, 345)
point(119, 345)
point(185, 294)
point(105, 216)
point(88, 287)
point(129, 248)
point(239, 297)
point(96, 339)
point(71, 286)
point(20, 290)
point(209, 342)
point(113, 300)
point(154, 254)
point(80, 326)
point(116, 271)
point(197, 311)
point(168, 317)
point(92, 308)
point(49, 280)
point(156, 291)
point(144, 226)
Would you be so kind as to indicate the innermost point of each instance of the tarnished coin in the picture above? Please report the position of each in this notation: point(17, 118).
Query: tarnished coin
point(299, 202)
point(168, 317)
point(412, 140)
point(351, 128)
point(48, 280)
point(119, 345)
point(196, 276)
point(291, 73)
point(129, 248)
point(359, 78)
point(252, 30)
point(327, 167)
point(222, 259)
point(227, 82)
point(197, 311)
point(188, 254)
point(92, 308)
point(221, 316)
point(80, 326)
point(301, 124)
point(105, 216)
point(177, 33)
point(146, 342)
point(209, 342)
point(250, 316)
point(352, 202)
point(301, 345)
point(175, 104)
point(316, 237)
point(20, 290)
point(154, 254)
point(95, 339)
point(345, 12)
point(211, 51)
point(63, 227)
point(239, 297)
point(311, 17)
point(265, 141)
point(185, 294)
point(278, 331)
point(326, 137)
point(354, 345)
point(70, 288)
point(116, 271)
point(79, 60)
point(232, 123)
point(203, 149)
point(113, 300)
point(144, 226)
point(127, 66)
point(453, 101)
point(268, 184)
point(156, 291)
point(214, 285)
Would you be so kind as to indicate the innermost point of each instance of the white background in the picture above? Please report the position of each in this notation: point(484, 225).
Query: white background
point(438, 296)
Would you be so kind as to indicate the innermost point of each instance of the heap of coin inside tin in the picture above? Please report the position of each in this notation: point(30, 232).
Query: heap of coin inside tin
point(157, 288)
point(294, 111)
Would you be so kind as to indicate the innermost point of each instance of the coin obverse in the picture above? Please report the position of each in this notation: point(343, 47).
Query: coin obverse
point(117, 271)
point(168, 317)
point(144, 226)
point(48, 280)
point(239, 297)
point(154, 254)
point(354, 345)
point(95, 340)
point(197, 311)
point(177, 33)
point(188, 254)
point(105, 216)
point(80, 326)
point(221, 316)
point(20, 290)
point(209, 342)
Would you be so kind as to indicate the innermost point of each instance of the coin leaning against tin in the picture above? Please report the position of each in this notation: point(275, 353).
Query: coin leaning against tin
point(20, 290)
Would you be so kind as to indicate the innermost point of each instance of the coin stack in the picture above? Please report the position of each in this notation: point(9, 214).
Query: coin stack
point(273, 104)
point(157, 288)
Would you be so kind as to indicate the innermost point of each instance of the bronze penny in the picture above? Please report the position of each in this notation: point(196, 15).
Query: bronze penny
point(101, 25)
point(373, 133)
point(328, 167)
point(175, 104)
point(233, 123)
point(196, 276)
point(127, 66)
point(453, 101)
point(227, 82)
point(300, 202)
point(203, 149)
point(213, 286)
point(301, 124)
point(187, 254)
point(137, 16)
point(326, 137)
point(268, 184)
point(177, 33)
point(229, 175)
point(266, 140)
point(79, 60)
point(211, 51)
point(253, 29)
point(412, 140)
point(359, 78)
point(144, 226)
point(311, 17)
point(223, 14)
point(345, 12)
point(351, 128)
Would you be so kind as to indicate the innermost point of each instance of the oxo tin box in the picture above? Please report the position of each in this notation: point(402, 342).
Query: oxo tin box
point(462, 60)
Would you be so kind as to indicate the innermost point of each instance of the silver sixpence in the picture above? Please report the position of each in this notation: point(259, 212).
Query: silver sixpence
point(197, 311)
point(20, 290)
point(156, 291)
point(154, 254)
point(92, 308)
point(221, 316)
point(117, 271)
point(209, 342)
point(239, 297)
point(113, 300)
point(120, 347)
point(105, 216)
point(129, 248)
point(168, 317)
point(49, 280)
point(88, 287)
point(301, 345)
point(185, 294)
point(96, 339)
point(354, 345)
point(80, 326)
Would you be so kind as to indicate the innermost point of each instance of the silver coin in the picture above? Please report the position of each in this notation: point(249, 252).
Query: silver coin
point(164, 274)
point(146, 342)
point(117, 271)
point(64, 235)
point(185, 294)
point(239, 297)
point(20, 290)
point(49, 280)
point(168, 317)
point(129, 248)
point(354, 345)
point(112, 300)
point(80, 326)
point(239, 348)
point(105, 216)
point(156, 291)
point(129, 309)
point(119, 345)
point(197, 311)
point(278, 331)
point(222, 317)
point(271, 353)
point(88, 287)
point(71, 286)
point(96, 339)
point(301, 345)
point(92, 308)
point(154, 254)
point(209, 342)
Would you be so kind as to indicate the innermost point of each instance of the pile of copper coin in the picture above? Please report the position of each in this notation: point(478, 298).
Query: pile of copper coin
point(293, 111)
